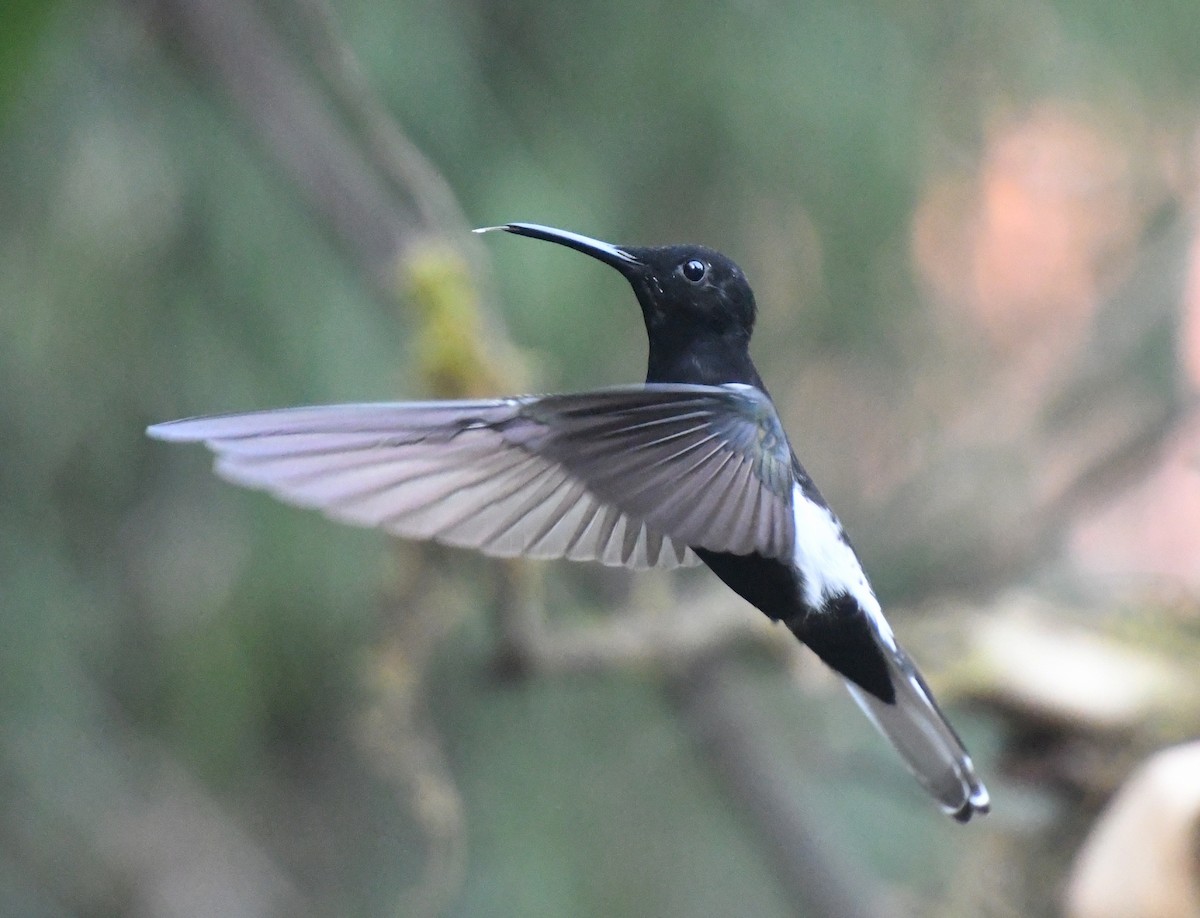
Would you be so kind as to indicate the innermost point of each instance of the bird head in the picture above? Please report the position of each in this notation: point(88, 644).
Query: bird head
point(685, 291)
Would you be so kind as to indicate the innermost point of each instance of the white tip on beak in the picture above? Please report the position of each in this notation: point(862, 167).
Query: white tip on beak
point(604, 251)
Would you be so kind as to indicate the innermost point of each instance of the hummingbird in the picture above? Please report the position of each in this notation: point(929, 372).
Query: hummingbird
point(691, 467)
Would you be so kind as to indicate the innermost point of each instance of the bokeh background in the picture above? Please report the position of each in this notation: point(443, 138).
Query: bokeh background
point(971, 229)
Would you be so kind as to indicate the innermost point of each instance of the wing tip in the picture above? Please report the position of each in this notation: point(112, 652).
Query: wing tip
point(171, 432)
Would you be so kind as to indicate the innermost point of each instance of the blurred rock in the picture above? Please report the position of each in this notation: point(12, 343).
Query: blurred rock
point(1041, 668)
point(1141, 859)
point(1084, 695)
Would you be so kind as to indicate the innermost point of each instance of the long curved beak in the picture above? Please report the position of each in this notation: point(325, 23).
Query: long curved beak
point(603, 251)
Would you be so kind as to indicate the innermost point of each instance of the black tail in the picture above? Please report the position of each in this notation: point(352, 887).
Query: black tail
point(858, 643)
point(916, 727)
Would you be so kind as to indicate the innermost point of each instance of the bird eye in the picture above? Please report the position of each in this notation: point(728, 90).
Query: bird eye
point(694, 270)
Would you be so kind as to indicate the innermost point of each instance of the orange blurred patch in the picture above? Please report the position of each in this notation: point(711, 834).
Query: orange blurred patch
point(1024, 247)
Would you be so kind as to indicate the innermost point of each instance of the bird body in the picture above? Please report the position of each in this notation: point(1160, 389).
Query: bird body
point(694, 466)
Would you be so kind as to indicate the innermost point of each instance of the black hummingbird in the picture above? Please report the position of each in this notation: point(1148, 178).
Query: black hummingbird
point(692, 466)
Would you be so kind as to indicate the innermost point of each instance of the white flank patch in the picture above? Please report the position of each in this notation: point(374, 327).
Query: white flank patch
point(828, 563)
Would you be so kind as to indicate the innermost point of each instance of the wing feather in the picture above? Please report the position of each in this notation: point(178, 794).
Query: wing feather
point(629, 476)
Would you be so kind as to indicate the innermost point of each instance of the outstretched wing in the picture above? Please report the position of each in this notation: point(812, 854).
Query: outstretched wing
point(627, 476)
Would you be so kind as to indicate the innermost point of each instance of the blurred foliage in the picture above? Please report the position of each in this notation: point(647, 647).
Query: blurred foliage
point(21, 24)
point(153, 264)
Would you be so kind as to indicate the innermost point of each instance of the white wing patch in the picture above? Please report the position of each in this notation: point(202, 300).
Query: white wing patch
point(828, 563)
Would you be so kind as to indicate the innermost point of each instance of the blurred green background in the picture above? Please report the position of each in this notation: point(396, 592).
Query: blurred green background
point(969, 228)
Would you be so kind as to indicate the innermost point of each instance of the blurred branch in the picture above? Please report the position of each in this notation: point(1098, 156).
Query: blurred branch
point(656, 635)
point(169, 847)
point(406, 747)
point(1118, 407)
point(695, 649)
point(402, 165)
point(236, 50)
point(815, 874)
point(1002, 480)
